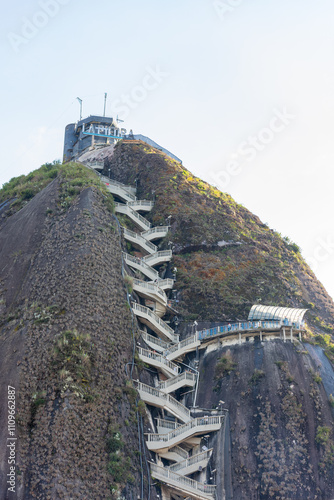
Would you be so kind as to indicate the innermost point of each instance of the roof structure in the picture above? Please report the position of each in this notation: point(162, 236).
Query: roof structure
point(260, 312)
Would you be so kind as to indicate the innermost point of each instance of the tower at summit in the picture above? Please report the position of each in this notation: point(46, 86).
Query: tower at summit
point(91, 132)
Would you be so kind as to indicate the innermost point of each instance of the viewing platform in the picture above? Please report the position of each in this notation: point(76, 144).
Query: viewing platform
point(285, 329)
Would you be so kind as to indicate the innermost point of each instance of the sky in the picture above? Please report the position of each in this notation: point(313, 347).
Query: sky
point(240, 90)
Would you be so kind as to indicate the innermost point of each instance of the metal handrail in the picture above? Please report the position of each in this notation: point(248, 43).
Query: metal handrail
point(245, 326)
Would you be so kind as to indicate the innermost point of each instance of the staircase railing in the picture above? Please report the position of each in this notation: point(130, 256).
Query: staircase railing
point(158, 256)
point(159, 345)
point(152, 288)
point(151, 355)
point(184, 482)
point(185, 376)
point(166, 400)
point(152, 249)
point(154, 232)
point(195, 459)
point(141, 266)
point(143, 311)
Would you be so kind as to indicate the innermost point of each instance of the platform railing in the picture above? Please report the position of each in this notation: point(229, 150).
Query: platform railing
point(145, 204)
point(166, 283)
point(246, 326)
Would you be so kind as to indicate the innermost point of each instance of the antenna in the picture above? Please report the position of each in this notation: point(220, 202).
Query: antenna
point(80, 101)
point(105, 103)
point(119, 120)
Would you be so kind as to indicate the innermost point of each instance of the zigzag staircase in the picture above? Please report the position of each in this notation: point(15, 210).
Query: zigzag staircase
point(178, 441)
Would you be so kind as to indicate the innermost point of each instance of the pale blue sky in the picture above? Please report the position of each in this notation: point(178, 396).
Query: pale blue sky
point(227, 71)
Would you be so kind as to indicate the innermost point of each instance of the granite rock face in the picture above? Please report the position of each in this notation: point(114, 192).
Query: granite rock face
point(61, 272)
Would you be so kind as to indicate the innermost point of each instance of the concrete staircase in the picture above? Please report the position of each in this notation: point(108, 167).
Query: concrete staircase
point(196, 426)
point(155, 397)
point(139, 220)
point(153, 321)
point(139, 242)
point(192, 464)
point(162, 350)
point(197, 490)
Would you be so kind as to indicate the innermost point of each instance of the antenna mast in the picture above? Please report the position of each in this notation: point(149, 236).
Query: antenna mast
point(105, 104)
point(80, 101)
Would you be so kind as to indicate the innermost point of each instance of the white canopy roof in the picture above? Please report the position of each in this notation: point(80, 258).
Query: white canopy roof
point(259, 312)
